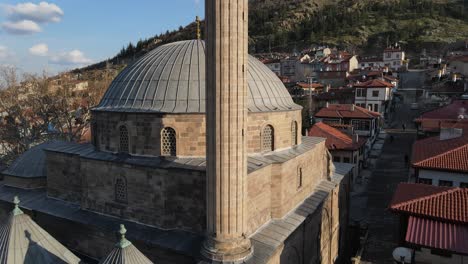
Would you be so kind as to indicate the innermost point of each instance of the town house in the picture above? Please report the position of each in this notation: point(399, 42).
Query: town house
point(374, 95)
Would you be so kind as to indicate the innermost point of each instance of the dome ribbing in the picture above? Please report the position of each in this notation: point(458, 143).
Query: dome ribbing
point(171, 79)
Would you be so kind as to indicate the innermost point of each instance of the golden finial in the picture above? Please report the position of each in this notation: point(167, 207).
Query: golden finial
point(197, 20)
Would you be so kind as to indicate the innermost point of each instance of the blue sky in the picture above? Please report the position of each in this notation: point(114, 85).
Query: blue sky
point(60, 35)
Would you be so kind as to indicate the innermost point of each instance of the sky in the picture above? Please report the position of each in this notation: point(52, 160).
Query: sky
point(60, 35)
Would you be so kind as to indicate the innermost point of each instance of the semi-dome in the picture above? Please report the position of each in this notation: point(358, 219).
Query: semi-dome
point(171, 79)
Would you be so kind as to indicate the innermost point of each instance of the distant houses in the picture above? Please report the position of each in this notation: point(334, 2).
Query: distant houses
point(442, 160)
point(365, 123)
point(431, 122)
point(374, 95)
point(344, 145)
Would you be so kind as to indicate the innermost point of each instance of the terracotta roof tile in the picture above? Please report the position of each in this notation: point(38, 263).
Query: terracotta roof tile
point(375, 83)
point(433, 153)
point(451, 111)
point(438, 203)
point(335, 138)
point(346, 111)
point(437, 234)
point(307, 85)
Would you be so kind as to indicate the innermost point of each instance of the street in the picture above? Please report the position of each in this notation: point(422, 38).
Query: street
point(370, 200)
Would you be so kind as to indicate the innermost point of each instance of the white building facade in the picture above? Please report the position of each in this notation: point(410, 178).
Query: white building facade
point(393, 58)
point(374, 95)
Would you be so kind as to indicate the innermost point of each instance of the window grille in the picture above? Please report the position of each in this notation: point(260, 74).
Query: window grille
point(268, 139)
point(294, 133)
point(123, 139)
point(168, 142)
point(121, 189)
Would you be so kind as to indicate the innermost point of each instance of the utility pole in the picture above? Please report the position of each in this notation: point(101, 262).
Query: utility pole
point(309, 79)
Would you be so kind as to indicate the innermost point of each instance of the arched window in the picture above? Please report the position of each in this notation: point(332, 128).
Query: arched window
point(268, 139)
point(123, 147)
point(168, 142)
point(121, 189)
point(294, 133)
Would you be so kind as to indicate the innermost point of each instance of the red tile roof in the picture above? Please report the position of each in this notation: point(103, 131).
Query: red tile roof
point(432, 202)
point(346, 111)
point(433, 153)
point(437, 234)
point(336, 140)
point(390, 78)
point(462, 58)
point(375, 83)
point(307, 85)
point(448, 112)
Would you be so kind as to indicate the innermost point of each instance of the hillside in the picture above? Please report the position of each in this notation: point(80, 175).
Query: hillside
point(364, 25)
point(361, 24)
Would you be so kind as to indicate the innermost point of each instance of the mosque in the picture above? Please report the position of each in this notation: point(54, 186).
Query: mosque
point(197, 149)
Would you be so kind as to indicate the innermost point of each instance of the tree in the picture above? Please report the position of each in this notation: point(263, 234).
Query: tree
point(31, 112)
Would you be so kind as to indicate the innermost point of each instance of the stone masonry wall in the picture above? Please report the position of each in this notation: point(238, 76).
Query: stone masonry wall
point(160, 197)
point(145, 131)
point(285, 184)
point(258, 198)
point(64, 180)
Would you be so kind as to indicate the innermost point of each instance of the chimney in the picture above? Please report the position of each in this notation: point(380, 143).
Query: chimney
point(447, 133)
point(226, 104)
point(353, 107)
point(327, 104)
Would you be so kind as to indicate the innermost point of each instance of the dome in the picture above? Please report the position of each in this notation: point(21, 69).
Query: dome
point(171, 79)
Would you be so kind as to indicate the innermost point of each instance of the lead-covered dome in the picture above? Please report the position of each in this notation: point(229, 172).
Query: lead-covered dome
point(171, 79)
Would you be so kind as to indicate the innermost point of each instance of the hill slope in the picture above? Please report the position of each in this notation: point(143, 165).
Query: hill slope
point(356, 23)
point(282, 25)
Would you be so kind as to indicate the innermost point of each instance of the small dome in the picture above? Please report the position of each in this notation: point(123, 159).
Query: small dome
point(24, 241)
point(125, 252)
point(171, 79)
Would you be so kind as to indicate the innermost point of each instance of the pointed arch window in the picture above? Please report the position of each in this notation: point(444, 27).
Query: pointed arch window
point(168, 142)
point(268, 138)
point(123, 143)
point(121, 189)
point(294, 133)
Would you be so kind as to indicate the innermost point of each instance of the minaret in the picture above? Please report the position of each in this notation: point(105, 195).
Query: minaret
point(198, 22)
point(226, 34)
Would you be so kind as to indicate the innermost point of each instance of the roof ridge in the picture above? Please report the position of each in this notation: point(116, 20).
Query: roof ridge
point(442, 154)
point(319, 127)
point(430, 196)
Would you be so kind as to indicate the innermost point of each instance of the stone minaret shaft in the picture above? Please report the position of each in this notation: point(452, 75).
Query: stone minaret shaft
point(226, 115)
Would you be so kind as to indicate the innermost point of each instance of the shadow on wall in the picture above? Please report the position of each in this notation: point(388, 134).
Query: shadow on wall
point(305, 244)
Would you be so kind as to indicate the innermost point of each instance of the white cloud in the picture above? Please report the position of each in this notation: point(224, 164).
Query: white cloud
point(40, 13)
point(74, 57)
point(23, 27)
point(39, 49)
point(5, 53)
